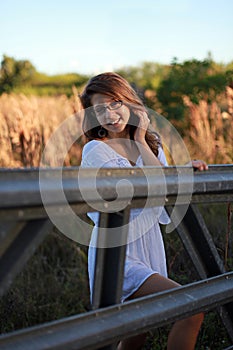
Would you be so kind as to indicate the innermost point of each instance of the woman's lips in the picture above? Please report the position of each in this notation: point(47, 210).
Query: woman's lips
point(114, 122)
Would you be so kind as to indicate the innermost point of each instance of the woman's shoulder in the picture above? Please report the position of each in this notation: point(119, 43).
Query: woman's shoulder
point(96, 153)
point(93, 144)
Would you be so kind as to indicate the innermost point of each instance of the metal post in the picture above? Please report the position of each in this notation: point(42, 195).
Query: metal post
point(200, 246)
point(109, 264)
point(21, 249)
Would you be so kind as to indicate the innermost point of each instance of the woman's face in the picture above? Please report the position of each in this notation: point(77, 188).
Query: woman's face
point(111, 114)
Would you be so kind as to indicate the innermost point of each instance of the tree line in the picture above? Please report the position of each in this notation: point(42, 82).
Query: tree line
point(161, 86)
point(21, 76)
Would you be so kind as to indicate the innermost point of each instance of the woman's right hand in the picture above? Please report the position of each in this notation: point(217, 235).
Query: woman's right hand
point(144, 121)
point(199, 164)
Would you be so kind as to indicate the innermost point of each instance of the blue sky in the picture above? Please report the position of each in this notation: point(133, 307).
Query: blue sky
point(94, 36)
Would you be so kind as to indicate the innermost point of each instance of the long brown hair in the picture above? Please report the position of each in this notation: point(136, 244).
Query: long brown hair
point(116, 87)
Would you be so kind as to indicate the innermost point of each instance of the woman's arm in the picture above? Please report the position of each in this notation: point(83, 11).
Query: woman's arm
point(148, 157)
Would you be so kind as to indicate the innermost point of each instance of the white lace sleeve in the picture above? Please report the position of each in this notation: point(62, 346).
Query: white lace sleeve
point(97, 154)
point(94, 155)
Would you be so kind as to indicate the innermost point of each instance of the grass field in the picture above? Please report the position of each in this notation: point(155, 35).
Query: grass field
point(54, 283)
point(27, 123)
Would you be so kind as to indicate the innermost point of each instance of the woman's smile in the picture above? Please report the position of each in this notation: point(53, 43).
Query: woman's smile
point(114, 121)
point(112, 115)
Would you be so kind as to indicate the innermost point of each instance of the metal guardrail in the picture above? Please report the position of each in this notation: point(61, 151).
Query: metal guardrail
point(21, 198)
point(98, 328)
point(24, 224)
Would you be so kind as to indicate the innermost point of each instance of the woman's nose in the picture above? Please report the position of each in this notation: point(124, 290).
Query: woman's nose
point(108, 113)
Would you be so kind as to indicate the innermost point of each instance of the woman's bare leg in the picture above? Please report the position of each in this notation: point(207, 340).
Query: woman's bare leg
point(183, 334)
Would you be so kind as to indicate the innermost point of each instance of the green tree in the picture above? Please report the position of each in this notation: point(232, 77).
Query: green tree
point(148, 75)
point(14, 73)
point(196, 79)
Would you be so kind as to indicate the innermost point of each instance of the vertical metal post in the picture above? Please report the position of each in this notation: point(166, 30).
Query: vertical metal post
point(24, 243)
point(200, 246)
point(110, 260)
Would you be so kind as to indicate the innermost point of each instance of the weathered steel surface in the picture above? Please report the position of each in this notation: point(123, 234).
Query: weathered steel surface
point(25, 224)
point(21, 197)
point(101, 327)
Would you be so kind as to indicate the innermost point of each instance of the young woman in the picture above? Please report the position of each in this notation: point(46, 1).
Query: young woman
point(117, 127)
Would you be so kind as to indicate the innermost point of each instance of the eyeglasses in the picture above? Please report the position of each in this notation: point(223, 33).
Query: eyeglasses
point(112, 106)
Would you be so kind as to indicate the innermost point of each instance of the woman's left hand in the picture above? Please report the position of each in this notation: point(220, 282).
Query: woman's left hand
point(142, 127)
point(199, 165)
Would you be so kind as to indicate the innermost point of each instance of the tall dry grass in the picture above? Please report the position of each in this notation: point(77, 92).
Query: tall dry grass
point(26, 124)
point(210, 133)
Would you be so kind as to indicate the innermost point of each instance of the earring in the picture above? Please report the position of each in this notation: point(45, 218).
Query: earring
point(102, 133)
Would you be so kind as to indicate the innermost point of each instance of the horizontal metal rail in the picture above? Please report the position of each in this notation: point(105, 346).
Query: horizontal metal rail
point(99, 328)
point(21, 202)
point(21, 197)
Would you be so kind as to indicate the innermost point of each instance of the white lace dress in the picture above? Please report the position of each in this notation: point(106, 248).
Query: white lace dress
point(145, 255)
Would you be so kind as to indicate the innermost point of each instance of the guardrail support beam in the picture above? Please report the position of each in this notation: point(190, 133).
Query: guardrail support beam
point(21, 249)
point(200, 246)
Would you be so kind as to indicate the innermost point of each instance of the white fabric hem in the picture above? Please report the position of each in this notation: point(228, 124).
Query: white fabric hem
point(123, 298)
